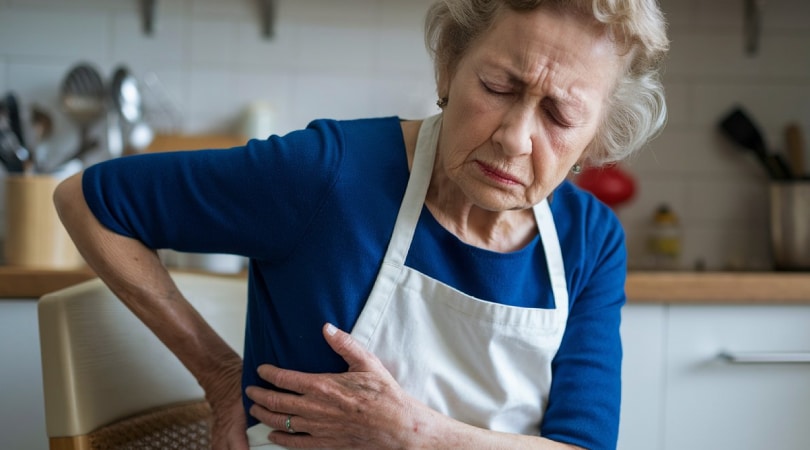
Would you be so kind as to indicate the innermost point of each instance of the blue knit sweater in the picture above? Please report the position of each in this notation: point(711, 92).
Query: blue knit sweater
point(314, 211)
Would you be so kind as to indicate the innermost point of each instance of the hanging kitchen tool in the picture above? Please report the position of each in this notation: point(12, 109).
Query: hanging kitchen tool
point(126, 95)
point(268, 17)
point(148, 16)
point(742, 130)
point(752, 26)
point(128, 103)
point(83, 98)
point(121, 112)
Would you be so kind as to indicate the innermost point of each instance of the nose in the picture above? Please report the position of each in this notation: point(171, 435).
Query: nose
point(516, 132)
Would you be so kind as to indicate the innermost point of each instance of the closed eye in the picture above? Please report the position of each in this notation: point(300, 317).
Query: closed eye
point(554, 113)
point(496, 90)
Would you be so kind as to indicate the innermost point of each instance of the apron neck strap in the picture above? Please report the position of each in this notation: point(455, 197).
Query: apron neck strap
point(415, 193)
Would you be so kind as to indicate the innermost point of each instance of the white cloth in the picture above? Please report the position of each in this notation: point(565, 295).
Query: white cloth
point(482, 363)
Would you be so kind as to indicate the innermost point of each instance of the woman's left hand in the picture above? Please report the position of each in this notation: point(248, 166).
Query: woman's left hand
point(363, 408)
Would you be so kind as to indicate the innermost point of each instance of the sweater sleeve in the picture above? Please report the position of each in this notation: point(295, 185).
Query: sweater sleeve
point(256, 200)
point(585, 394)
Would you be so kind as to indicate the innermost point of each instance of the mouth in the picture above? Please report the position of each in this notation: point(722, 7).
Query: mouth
point(497, 175)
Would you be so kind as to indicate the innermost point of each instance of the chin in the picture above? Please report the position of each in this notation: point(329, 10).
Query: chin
point(498, 203)
point(490, 198)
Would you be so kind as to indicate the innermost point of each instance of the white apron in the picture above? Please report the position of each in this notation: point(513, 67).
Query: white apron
point(485, 364)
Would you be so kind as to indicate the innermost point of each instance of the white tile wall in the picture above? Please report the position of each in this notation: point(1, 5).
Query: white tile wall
point(366, 58)
point(719, 192)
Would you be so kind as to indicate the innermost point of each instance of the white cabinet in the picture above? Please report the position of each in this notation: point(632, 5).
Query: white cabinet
point(711, 403)
point(642, 377)
point(676, 393)
point(679, 394)
point(22, 407)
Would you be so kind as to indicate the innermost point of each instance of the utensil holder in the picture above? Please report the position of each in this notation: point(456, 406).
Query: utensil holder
point(34, 236)
point(790, 224)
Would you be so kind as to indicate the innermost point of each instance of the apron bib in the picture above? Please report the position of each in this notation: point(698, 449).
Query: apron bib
point(482, 363)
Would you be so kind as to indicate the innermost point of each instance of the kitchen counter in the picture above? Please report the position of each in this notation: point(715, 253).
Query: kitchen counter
point(20, 282)
point(719, 287)
point(642, 287)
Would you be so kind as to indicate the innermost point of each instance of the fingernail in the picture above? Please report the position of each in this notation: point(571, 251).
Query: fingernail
point(331, 329)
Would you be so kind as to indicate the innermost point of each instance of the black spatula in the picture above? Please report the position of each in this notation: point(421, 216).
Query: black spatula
point(739, 127)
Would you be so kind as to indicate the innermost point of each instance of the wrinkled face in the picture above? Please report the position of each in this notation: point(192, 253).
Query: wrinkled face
point(524, 102)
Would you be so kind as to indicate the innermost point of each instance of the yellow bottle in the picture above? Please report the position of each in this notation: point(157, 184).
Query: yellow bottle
point(664, 243)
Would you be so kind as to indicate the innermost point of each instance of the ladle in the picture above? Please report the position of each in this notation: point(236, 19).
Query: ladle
point(83, 97)
point(128, 102)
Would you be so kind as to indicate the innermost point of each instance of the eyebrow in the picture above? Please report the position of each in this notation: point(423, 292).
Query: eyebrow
point(576, 102)
point(562, 96)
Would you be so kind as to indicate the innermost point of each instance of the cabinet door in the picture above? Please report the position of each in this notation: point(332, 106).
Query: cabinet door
point(642, 377)
point(22, 405)
point(712, 403)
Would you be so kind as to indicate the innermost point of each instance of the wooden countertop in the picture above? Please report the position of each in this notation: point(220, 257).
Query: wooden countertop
point(20, 282)
point(718, 287)
point(642, 287)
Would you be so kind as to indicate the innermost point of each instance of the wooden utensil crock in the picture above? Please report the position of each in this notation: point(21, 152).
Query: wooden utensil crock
point(34, 235)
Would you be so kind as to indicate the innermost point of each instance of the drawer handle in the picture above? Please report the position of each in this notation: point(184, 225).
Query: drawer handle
point(766, 357)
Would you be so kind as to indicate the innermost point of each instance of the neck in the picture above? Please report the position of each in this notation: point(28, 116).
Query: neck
point(499, 231)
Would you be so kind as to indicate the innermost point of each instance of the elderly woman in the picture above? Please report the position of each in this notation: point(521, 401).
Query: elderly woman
point(482, 290)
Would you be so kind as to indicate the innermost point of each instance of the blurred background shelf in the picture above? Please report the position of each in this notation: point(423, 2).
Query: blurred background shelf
point(171, 142)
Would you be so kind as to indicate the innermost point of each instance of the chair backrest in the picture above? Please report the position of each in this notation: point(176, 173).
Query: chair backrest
point(101, 364)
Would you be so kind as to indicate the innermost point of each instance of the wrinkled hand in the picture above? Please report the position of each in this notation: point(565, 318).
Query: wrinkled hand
point(224, 394)
point(363, 408)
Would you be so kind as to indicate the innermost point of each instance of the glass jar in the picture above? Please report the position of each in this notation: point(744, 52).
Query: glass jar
point(664, 239)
